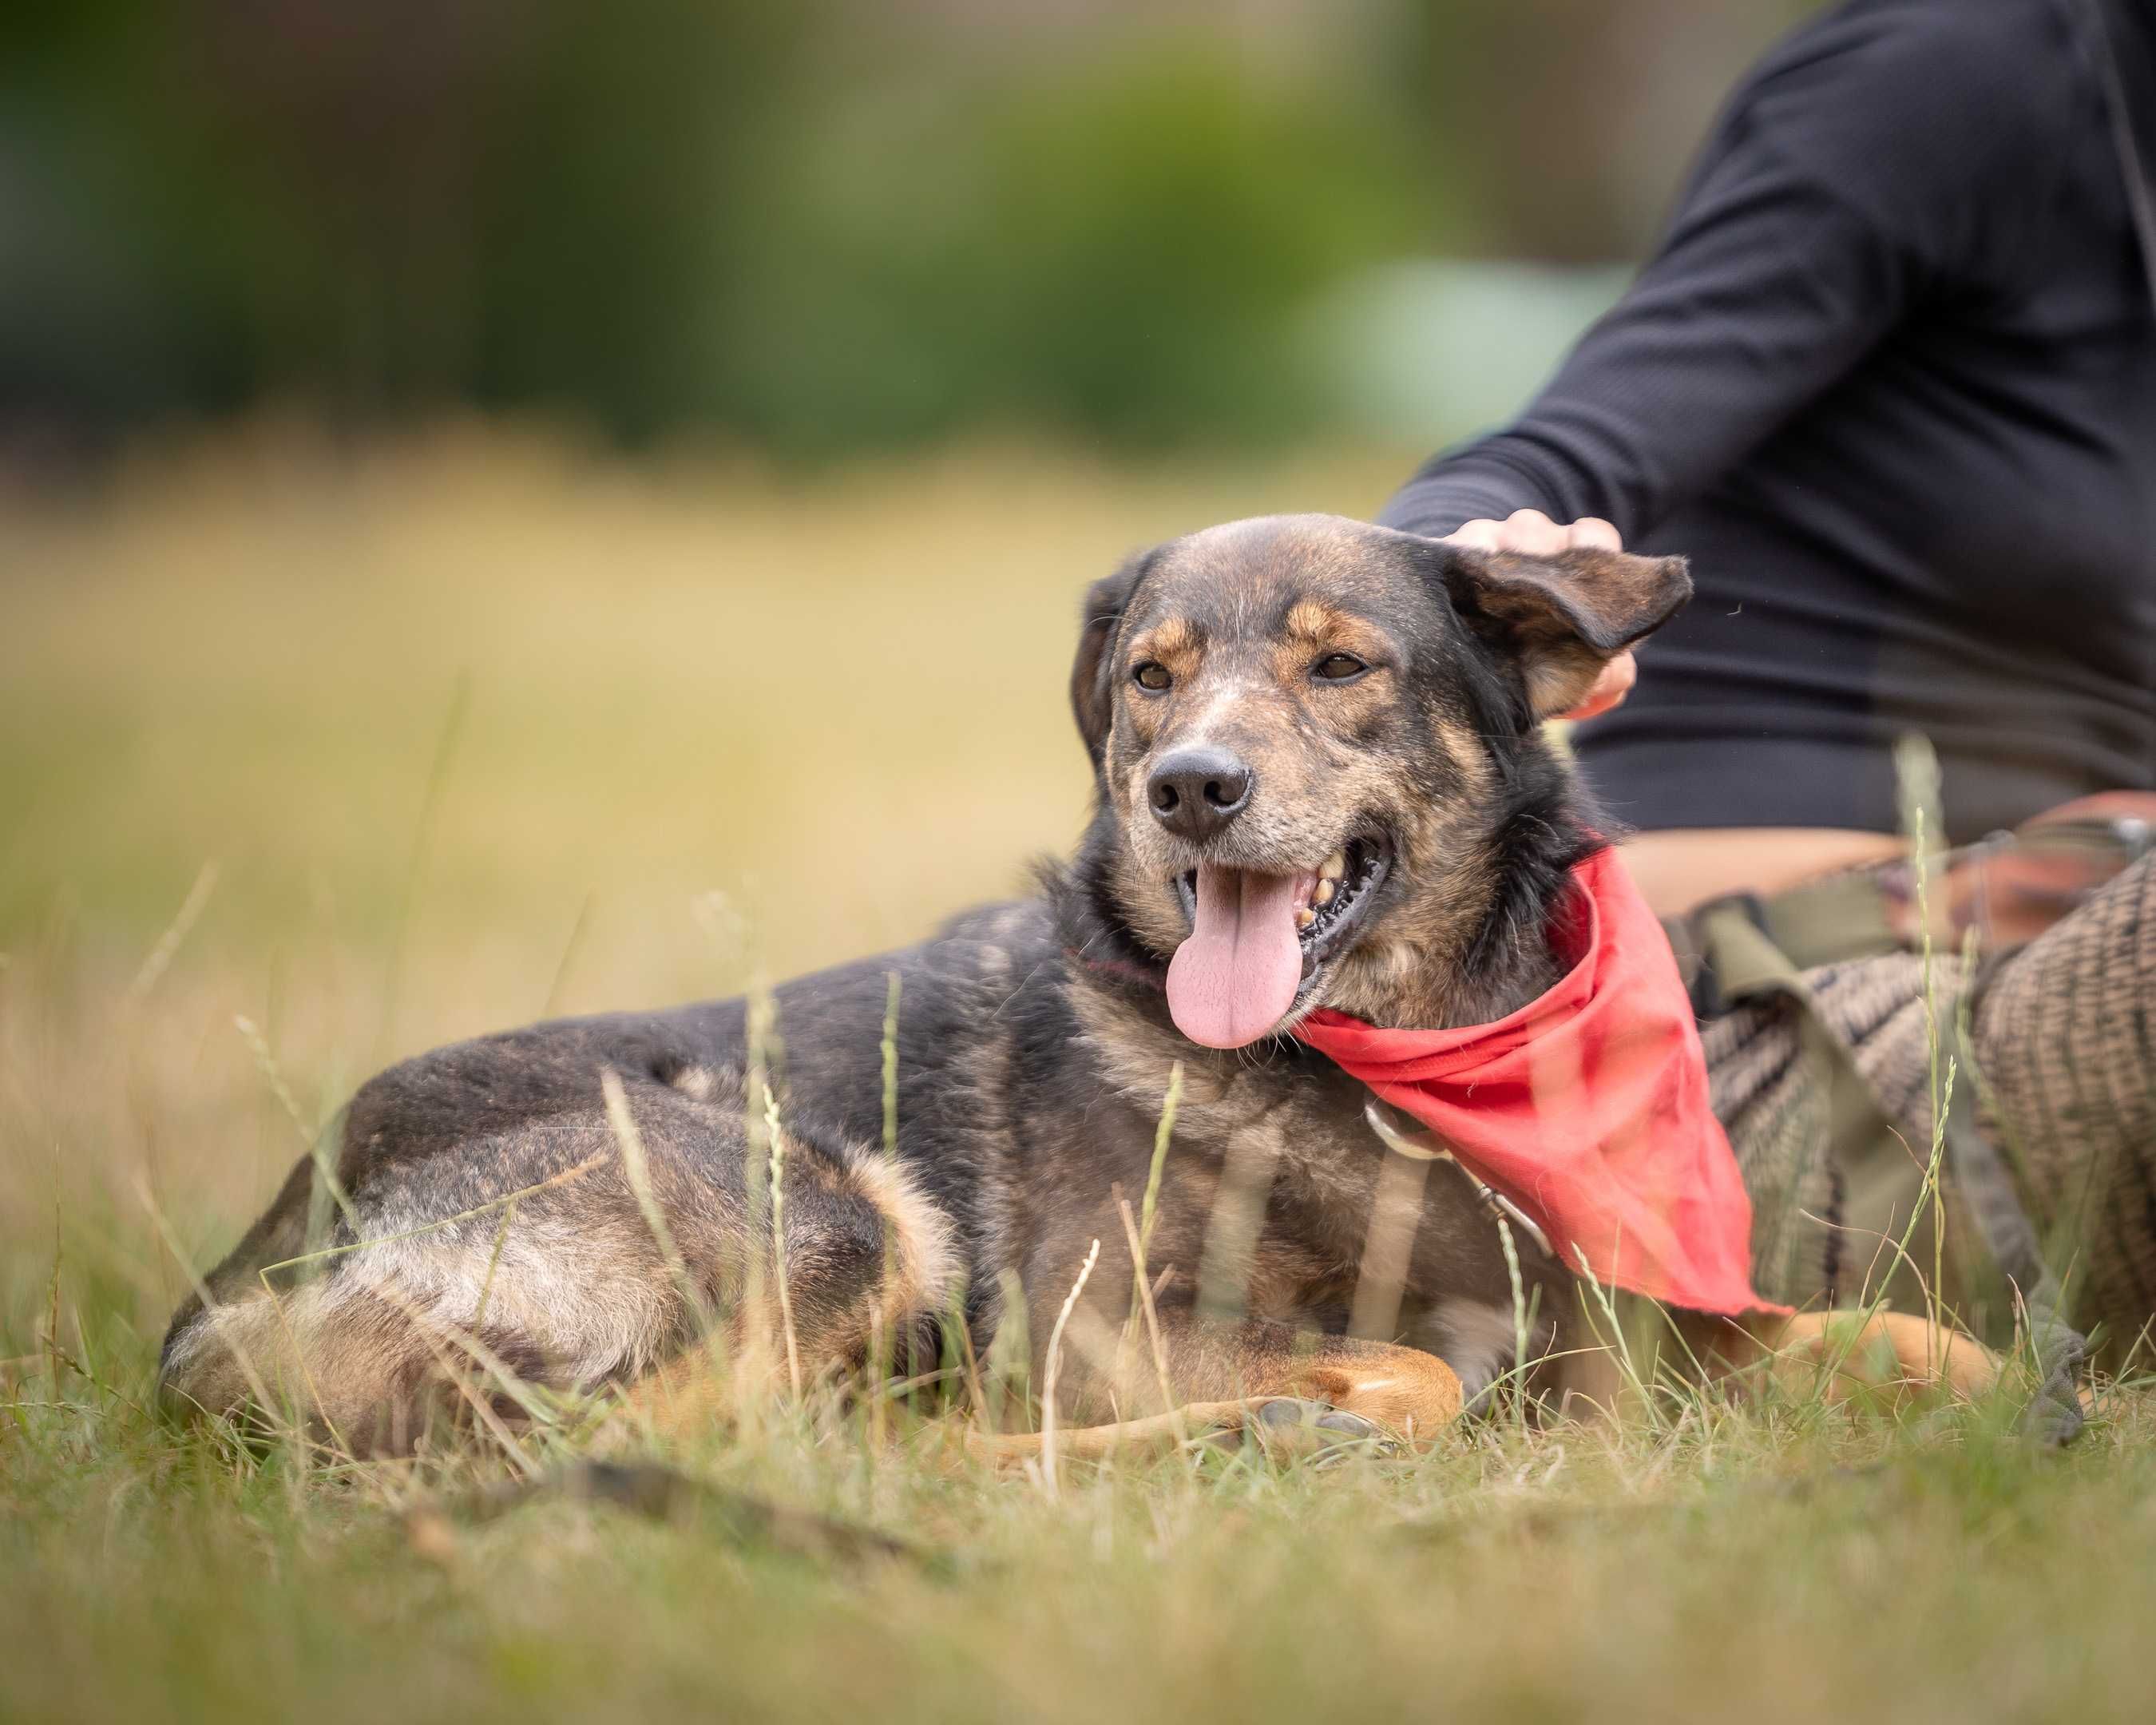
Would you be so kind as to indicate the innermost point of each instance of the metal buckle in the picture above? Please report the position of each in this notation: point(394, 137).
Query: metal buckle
point(2135, 837)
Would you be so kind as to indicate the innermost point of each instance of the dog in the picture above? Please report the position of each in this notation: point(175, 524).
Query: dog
point(1322, 779)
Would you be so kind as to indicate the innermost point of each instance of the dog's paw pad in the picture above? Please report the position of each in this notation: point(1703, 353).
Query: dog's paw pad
point(1290, 1423)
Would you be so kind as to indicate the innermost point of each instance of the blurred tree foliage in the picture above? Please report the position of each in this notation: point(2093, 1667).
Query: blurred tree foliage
point(1118, 251)
point(808, 223)
point(382, 206)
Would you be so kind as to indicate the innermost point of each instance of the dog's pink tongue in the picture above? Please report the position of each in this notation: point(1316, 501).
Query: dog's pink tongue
point(1235, 978)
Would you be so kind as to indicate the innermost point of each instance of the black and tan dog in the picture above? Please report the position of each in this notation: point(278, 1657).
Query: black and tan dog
point(1321, 780)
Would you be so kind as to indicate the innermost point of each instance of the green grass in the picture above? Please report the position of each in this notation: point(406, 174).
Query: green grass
point(840, 707)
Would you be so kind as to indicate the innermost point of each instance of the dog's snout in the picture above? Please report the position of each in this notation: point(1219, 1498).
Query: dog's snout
point(1196, 792)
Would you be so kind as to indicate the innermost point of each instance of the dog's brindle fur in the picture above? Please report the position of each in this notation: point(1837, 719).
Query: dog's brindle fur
point(1034, 1048)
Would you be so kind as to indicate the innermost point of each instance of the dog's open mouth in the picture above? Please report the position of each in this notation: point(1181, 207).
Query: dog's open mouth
point(1258, 942)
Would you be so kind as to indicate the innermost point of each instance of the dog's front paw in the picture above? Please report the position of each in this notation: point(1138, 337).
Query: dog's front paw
point(1290, 1424)
point(1403, 1389)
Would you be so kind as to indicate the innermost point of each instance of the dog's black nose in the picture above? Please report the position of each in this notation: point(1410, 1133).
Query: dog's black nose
point(1195, 792)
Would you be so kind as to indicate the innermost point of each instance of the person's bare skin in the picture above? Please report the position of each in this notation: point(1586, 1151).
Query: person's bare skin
point(1686, 867)
point(1681, 868)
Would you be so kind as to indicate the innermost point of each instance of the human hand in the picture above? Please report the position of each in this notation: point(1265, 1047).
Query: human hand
point(1534, 534)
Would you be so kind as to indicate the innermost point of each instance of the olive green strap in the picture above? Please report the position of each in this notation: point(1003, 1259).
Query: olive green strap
point(1883, 1177)
point(1742, 945)
point(1832, 921)
point(1882, 1181)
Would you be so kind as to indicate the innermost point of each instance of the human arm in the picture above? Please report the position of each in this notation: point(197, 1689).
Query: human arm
point(1864, 168)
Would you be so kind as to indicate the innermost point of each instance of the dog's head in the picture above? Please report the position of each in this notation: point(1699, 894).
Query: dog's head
point(1314, 740)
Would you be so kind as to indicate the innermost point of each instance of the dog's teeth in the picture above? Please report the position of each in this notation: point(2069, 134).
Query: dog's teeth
point(1323, 895)
point(1334, 868)
point(1305, 917)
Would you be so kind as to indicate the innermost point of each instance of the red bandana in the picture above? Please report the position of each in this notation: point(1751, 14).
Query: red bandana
point(1588, 1107)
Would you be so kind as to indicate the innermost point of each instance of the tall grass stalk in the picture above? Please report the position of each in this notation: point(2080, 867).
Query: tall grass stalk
point(636, 1170)
point(422, 834)
point(1010, 1354)
point(1051, 1367)
point(1522, 1323)
point(889, 1049)
point(1142, 1240)
point(493, 1265)
point(883, 1347)
point(569, 948)
point(778, 1241)
point(1619, 1342)
point(1149, 1214)
point(1916, 773)
point(159, 959)
point(1147, 1311)
point(761, 1016)
point(258, 1385)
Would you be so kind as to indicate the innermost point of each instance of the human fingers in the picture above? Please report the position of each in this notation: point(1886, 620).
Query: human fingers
point(1609, 689)
point(1534, 534)
point(1482, 535)
point(1532, 531)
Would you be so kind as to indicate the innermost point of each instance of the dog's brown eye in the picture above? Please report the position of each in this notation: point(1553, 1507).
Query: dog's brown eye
point(1151, 675)
point(1338, 668)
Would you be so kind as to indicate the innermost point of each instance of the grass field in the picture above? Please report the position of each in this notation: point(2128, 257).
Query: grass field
point(308, 761)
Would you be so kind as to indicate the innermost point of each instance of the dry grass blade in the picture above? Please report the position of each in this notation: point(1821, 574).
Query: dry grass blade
point(482, 1409)
point(1523, 1318)
point(1148, 1309)
point(1170, 1103)
point(890, 1064)
point(160, 956)
point(423, 835)
point(637, 1171)
point(314, 1140)
point(779, 1242)
point(257, 1385)
point(1051, 1367)
point(762, 1018)
point(493, 1265)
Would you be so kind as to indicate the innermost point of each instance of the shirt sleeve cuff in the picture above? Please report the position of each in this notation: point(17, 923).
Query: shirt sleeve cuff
point(1441, 503)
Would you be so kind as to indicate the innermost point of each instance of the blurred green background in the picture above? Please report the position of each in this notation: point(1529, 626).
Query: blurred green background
point(821, 226)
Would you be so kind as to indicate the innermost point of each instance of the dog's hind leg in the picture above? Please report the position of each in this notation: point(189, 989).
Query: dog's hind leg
point(888, 1270)
point(1886, 1358)
point(503, 1233)
point(1842, 1355)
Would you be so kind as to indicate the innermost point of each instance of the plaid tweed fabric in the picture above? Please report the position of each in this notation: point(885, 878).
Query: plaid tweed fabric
point(2065, 1043)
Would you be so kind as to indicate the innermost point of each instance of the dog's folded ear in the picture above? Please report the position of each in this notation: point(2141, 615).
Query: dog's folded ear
point(1562, 618)
point(1092, 672)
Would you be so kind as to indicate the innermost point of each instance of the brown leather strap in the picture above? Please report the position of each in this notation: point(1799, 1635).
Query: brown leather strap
point(2010, 888)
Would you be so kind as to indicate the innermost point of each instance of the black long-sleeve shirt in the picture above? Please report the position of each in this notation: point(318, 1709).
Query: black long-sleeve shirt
point(1890, 384)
